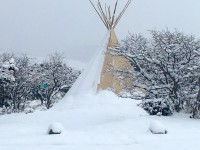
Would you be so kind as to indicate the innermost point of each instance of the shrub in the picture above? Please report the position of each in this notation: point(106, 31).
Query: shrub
point(157, 107)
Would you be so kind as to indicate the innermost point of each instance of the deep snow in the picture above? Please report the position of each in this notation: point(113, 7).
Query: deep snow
point(101, 121)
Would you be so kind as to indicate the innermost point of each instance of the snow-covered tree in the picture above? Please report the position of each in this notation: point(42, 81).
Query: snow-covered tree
point(54, 74)
point(22, 89)
point(196, 103)
point(22, 81)
point(165, 66)
point(7, 80)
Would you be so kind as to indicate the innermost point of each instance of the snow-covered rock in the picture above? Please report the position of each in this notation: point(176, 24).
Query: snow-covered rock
point(55, 128)
point(157, 127)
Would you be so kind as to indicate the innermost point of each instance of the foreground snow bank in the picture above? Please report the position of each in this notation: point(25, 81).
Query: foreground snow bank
point(100, 122)
point(156, 127)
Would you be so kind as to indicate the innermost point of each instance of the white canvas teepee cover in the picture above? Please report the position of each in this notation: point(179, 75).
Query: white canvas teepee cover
point(90, 77)
point(87, 82)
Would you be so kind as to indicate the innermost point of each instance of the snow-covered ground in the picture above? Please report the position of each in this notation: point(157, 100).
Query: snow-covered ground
point(100, 122)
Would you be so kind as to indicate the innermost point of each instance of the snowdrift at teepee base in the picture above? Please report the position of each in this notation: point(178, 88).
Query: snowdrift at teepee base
point(105, 102)
point(87, 82)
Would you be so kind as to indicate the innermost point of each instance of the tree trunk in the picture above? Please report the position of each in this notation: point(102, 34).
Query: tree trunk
point(196, 108)
point(198, 96)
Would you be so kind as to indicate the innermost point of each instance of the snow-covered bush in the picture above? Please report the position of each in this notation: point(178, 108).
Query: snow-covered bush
point(157, 127)
point(20, 79)
point(28, 110)
point(7, 81)
point(56, 75)
point(3, 110)
point(158, 107)
point(165, 66)
point(33, 105)
point(195, 105)
point(22, 89)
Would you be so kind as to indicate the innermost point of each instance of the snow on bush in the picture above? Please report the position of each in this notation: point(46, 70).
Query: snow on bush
point(28, 110)
point(55, 128)
point(26, 86)
point(138, 95)
point(165, 66)
point(157, 107)
point(157, 127)
point(34, 104)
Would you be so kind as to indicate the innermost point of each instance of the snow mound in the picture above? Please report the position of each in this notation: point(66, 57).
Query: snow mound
point(106, 99)
point(55, 128)
point(157, 127)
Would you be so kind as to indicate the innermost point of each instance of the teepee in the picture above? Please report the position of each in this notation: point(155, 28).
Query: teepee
point(108, 76)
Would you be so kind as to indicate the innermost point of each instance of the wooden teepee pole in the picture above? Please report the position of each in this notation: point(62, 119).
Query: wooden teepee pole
point(113, 17)
point(104, 22)
point(121, 14)
point(103, 14)
point(107, 18)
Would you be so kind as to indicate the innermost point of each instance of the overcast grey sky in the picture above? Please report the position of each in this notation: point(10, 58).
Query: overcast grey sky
point(40, 27)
